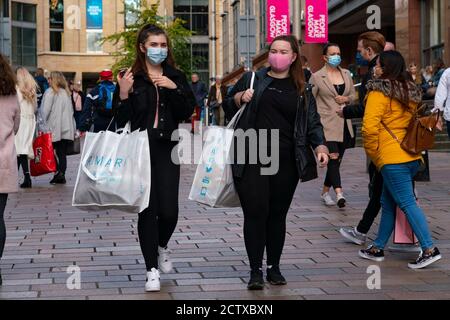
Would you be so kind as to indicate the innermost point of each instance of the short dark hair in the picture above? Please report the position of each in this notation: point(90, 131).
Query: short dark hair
point(327, 46)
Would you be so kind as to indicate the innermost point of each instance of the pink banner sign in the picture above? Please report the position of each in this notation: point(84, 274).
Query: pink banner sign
point(316, 28)
point(278, 20)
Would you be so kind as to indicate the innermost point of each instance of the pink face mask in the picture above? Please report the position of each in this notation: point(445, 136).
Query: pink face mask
point(280, 62)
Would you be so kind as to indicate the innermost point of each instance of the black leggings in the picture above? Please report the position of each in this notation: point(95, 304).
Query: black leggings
point(22, 160)
point(3, 198)
point(265, 201)
point(374, 205)
point(61, 155)
point(157, 223)
point(333, 176)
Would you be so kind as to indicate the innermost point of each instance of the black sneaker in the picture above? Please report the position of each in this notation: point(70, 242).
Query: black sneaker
point(256, 280)
point(275, 277)
point(372, 253)
point(425, 259)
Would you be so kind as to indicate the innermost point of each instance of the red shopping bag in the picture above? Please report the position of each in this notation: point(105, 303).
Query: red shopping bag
point(44, 159)
point(403, 233)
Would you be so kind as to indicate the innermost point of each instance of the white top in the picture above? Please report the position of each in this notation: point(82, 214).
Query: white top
point(442, 97)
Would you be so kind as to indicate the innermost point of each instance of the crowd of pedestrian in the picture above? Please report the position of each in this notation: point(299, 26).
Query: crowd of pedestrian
point(312, 111)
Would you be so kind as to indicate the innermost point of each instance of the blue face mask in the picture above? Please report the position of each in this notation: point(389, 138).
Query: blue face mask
point(360, 60)
point(334, 61)
point(156, 55)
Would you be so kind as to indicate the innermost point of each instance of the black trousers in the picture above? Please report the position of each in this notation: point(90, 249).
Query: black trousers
point(265, 202)
point(374, 206)
point(61, 155)
point(157, 223)
point(22, 160)
point(333, 176)
point(3, 198)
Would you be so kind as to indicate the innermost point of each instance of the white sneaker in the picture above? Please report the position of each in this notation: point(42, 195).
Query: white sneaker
point(153, 284)
point(340, 200)
point(327, 199)
point(164, 260)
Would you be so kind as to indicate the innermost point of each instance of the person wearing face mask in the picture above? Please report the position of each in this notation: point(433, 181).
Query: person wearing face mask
point(333, 88)
point(281, 102)
point(155, 96)
point(370, 45)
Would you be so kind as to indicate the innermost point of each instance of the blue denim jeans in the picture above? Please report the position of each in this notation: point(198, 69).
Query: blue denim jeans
point(398, 191)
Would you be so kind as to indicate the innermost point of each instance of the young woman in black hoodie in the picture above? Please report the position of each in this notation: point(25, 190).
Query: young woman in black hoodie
point(155, 96)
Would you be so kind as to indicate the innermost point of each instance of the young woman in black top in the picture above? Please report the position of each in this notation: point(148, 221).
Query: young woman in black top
point(155, 96)
point(280, 100)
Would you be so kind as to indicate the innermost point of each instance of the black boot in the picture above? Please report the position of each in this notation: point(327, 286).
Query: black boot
point(27, 182)
point(275, 277)
point(59, 178)
point(256, 280)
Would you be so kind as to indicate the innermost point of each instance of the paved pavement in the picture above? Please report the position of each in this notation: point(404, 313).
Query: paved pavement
point(46, 235)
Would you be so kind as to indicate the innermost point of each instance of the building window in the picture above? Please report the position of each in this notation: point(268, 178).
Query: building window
point(23, 37)
point(195, 13)
point(93, 40)
point(432, 30)
point(201, 51)
point(5, 8)
point(56, 24)
point(56, 41)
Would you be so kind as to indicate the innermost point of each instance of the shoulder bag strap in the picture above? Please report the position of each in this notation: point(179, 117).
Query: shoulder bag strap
point(390, 132)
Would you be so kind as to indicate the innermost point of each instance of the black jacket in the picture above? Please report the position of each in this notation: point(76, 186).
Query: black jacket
point(308, 131)
point(200, 92)
point(175, 105)
point(357, 110)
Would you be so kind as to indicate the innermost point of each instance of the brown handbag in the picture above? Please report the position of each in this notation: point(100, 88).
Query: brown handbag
point(420, 134)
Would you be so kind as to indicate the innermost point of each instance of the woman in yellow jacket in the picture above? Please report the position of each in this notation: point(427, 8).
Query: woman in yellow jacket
point(390, 103)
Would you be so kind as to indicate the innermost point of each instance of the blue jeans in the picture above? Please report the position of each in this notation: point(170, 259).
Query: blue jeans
point(398, 191)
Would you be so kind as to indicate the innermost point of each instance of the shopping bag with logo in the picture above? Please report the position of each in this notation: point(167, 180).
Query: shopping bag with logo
point(44, 161)
point(114, 172)
point(403, 233)
point(213, 181)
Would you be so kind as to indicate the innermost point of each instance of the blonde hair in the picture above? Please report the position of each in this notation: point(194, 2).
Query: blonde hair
point(59, 82)
point(27, 85)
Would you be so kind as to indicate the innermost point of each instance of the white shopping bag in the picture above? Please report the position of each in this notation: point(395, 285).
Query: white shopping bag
point(213, 182)
point(114, 172)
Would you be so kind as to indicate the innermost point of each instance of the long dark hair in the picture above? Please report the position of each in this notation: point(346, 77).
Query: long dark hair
point(296, 70)
point(7, 78)
point(394, 70)
point(147, 31)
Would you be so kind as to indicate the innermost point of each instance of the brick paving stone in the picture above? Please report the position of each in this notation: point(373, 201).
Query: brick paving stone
point(46, 235)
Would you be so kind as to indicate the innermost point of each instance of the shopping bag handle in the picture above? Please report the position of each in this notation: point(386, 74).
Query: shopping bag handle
point(88, 153)
point(238, 114)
